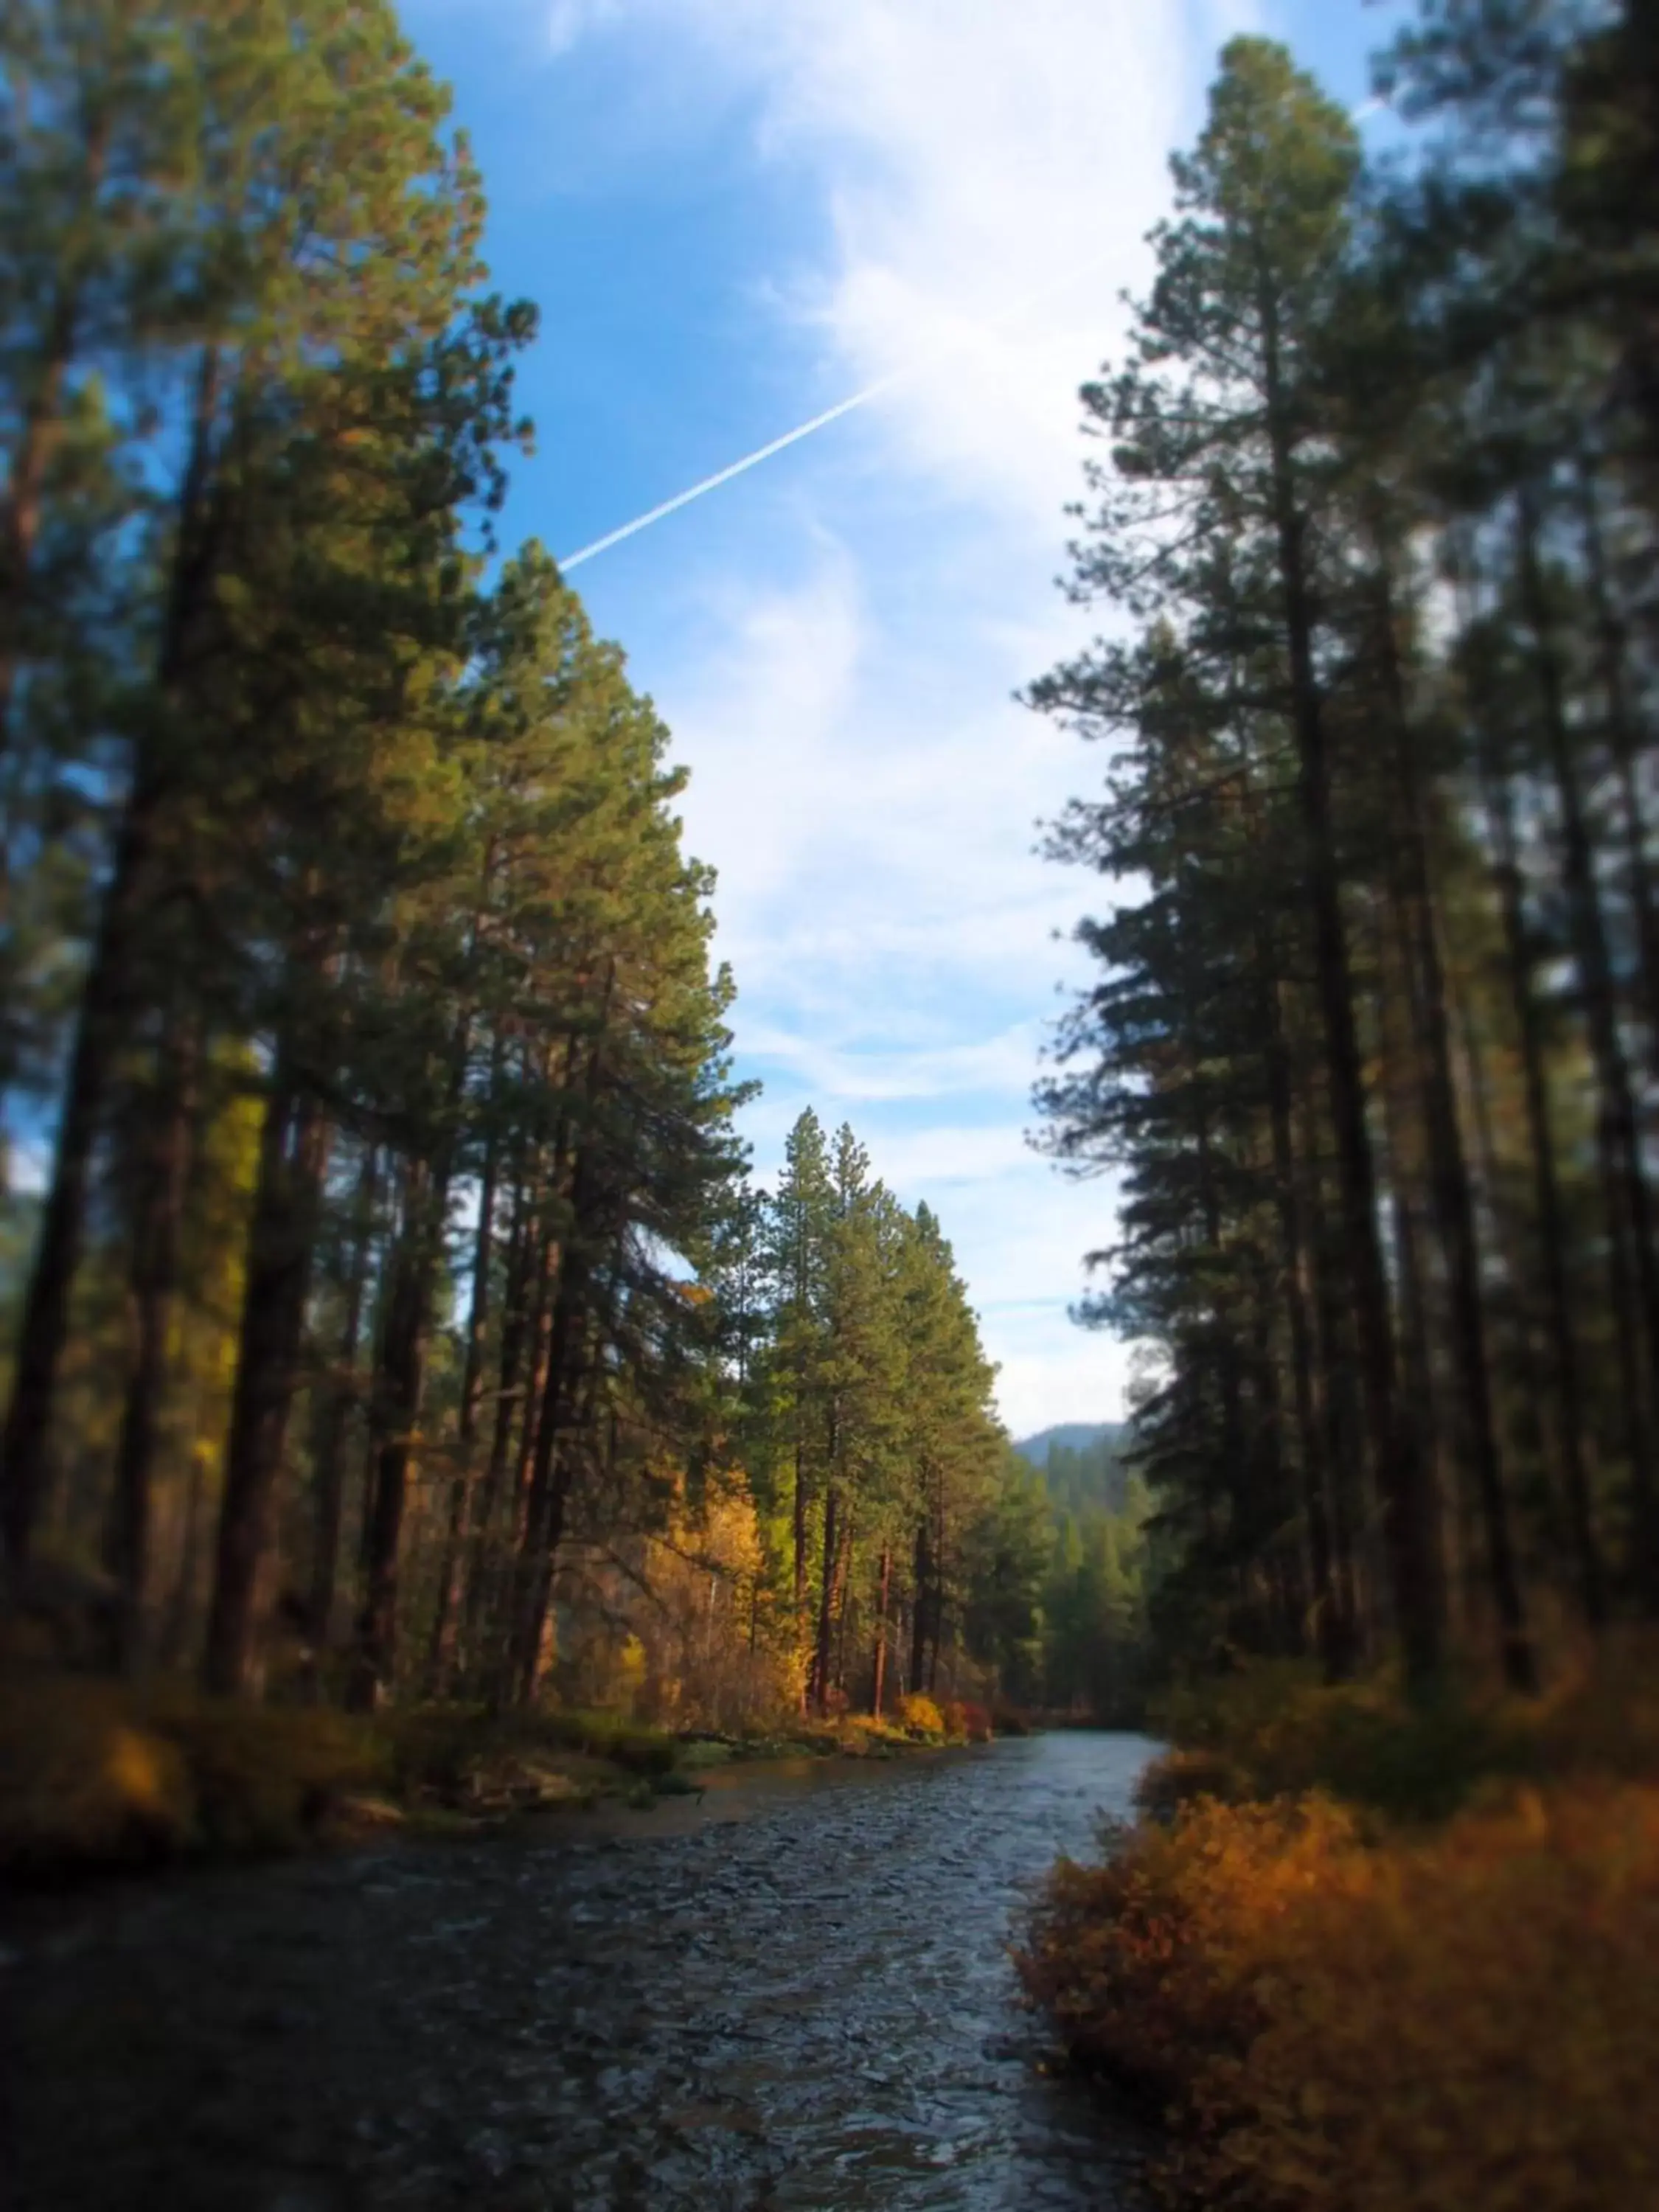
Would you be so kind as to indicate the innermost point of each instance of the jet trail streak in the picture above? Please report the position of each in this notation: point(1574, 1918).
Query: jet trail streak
point(736, 469)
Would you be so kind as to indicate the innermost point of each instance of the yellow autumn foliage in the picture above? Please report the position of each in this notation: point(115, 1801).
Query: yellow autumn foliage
point(921, 1715)
point(1336, 2023)
point(81, 1777)
point(96, 1773)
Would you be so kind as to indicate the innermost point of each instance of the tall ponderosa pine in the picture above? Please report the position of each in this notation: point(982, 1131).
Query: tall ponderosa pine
point(1386, 784)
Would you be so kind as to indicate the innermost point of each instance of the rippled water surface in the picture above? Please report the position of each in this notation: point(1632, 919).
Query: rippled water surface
point(803, 2000)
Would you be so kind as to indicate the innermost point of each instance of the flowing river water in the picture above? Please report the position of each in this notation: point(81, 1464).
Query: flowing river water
point(797, 1996)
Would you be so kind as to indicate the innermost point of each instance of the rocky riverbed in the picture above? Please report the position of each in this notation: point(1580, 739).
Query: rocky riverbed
point(795, 1993)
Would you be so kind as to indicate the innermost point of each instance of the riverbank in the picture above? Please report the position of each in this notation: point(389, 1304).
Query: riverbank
point(1366, 1958)
point(98, 1776)
point(803, 2000)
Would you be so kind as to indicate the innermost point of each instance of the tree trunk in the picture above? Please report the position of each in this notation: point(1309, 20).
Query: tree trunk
point(175, 1632)
point(441, 1654)
point(922, 1570)
point(1224, 1362)
point(1624, 743)
point(828, 1567)
point(338, 1402)
point(106, 1005)
point(1400, 1473)
point(1453, 1201)
point(397, 1400)
point(878, 1672)
point(163, 1171)
point(799, 1531)
point(1330, 1626)
point(416, 1265)
point(1572, 1432)
point(294, 1149)
point(549, 1473)
point(1421, 1411)
point(1623, 1141)
point(516, 1323)
point(1340, 1417)
point(540, 1367)
point(843, 1576)
point(105, 1008)
point(1528, 1369)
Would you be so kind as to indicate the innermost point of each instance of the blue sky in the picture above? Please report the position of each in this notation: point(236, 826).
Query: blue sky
point(733, 213)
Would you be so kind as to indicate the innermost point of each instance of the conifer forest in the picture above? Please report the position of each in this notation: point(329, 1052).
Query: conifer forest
point(1375, 1048)
point(396, 1284)
point(418, 1408)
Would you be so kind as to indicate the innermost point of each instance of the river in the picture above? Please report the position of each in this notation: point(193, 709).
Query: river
point(797, 1996)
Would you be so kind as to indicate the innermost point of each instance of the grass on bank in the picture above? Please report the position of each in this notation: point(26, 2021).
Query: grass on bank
point(95, 1773)
point(1372, 1960)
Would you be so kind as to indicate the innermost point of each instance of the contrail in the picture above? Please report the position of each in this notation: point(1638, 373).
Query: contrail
point(1360, 114)
point(870, 391)
point(749, 461)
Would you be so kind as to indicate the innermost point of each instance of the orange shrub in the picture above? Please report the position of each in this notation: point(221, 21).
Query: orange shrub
point(966, 1722)
point(1466, 2021)
point(1178, 1778)
point(1147, 1962)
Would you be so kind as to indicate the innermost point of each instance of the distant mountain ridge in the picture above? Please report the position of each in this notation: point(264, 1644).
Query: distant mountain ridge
point(1083, 1465)
point(1071, 1436)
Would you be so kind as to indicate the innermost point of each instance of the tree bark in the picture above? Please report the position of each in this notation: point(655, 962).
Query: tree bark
point(843, 1609)
point(1453, 1201)
point(1331, 1628)
point(338, 1399)
point(922, 1572)
point(878, 1671)
point(544, 1498)
point(1400, 1473)
point(401, 1385)
point(397, 1395)
point(1339, 1418)
point(1626, 745)
point(441, 1654)
point(1571, 1424)
point(1623, 1142)
point(105, 1010)
point(830, 1568)
point(163, 1172)
point(516, 1325)
point(294, 1149)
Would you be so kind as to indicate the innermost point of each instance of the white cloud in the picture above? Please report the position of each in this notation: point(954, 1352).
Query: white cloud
point(569, 21)
point(864, 1073)
point(985, 173)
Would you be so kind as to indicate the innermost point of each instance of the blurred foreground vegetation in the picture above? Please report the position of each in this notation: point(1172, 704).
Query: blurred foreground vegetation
point(1365, 1954)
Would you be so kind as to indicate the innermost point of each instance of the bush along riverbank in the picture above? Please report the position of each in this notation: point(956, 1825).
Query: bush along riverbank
point(1364, 1957)
point(97, 1774)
